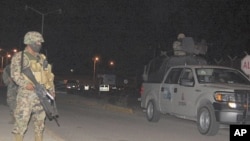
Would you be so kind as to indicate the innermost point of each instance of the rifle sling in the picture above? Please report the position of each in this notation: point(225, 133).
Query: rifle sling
point(29, 74)
point(22, 61)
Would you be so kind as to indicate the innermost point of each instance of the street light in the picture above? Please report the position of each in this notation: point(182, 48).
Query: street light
point(3, 53)
point(95, 60)
point(111, 63)
point(42, 14)
point(2, 63)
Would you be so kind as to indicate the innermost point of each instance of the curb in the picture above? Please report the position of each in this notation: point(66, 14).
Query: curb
point(104, 105)
point(118, 109)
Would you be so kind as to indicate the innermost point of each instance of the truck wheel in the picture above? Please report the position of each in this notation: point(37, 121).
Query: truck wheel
point(206, 121)
point(152, 113)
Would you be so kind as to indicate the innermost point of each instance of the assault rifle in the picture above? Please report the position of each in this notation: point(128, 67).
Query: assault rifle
point(46, 99)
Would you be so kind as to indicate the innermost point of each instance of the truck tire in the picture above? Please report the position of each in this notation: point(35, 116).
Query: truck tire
point(152, 113)
point(206, 121)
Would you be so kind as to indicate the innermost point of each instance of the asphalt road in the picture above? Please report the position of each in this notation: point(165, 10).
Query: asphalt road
point(87, 118)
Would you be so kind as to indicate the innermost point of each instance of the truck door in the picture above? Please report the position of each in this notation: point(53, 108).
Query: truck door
point(167, 90)
point(185, 94)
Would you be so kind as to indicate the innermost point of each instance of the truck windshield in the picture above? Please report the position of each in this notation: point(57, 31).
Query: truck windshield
point(216, 75)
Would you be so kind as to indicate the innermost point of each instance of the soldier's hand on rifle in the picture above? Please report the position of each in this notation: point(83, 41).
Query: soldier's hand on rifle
point(30, 86)
point(53, 94)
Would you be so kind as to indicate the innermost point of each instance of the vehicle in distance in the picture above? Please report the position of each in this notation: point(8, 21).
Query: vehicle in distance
point(209, 95)
point(104, 88)
point(73, 86)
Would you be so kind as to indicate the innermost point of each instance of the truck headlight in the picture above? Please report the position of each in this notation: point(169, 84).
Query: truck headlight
point(224, 97)
point(232, 104)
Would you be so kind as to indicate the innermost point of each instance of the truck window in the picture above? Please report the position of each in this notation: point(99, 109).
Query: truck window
point(218, 75)
point(187, 78)
point(187, 75)
point(173, 76)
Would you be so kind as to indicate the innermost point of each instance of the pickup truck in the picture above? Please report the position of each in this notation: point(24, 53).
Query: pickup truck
point(208, 95)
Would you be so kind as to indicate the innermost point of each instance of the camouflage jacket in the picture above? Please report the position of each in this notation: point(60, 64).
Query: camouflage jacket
point(7, 79)
point(28, 61)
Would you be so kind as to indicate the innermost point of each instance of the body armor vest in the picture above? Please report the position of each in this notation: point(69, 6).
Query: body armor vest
point(41, 70)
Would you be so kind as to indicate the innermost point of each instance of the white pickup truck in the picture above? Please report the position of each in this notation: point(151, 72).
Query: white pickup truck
point(209, 95)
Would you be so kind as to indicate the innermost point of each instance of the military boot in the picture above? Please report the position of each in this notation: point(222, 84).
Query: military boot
point(38, 137)
point(18, 137)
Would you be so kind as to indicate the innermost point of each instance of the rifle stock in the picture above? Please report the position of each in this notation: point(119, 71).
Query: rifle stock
point(48, 103)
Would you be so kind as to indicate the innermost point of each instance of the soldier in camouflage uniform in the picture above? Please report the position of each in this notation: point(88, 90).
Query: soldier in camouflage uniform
point(28, 104)
point(177, 45)
point(11, 92)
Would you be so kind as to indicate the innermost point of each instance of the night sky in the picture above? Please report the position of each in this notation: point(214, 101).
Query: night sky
point(129, 32)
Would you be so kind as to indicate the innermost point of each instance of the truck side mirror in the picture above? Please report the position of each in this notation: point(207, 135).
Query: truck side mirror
point(187, 82)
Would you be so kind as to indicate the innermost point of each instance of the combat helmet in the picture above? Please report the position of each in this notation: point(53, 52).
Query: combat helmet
point(32, 37)
point(181, 36)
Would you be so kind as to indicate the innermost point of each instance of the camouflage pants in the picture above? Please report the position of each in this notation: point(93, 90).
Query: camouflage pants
point(28, 105)
point(11, 99)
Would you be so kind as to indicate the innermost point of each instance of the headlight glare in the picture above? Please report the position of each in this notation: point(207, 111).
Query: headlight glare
point(232, 104)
